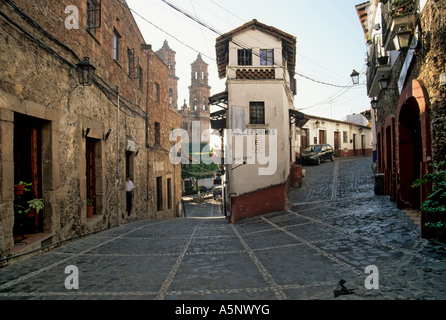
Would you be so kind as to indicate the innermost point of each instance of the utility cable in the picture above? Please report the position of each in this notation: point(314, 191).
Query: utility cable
point(242, 45)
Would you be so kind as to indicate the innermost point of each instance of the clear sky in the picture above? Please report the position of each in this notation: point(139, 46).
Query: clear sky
point(330, 44)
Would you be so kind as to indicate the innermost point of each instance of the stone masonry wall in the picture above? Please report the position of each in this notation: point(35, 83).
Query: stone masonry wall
point(427, 64)
point(39, 79)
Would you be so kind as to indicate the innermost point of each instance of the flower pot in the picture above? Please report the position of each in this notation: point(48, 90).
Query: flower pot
point(31, 213)
point(90, 211)
point(19, 189)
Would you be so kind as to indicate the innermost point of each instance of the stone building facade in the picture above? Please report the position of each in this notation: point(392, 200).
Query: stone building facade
point(407, 41)
point(69, 140)
point(168, 56)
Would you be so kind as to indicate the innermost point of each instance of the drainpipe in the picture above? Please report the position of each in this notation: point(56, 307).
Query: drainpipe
point(117, 157)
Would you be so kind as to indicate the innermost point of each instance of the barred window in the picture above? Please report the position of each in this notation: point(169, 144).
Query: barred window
point(244, 57)
point(140, 77)
point(257, 113)
point(132, 64)
point(93, 15)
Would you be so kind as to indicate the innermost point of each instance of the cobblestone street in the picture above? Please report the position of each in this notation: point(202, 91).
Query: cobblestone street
point(336, 227)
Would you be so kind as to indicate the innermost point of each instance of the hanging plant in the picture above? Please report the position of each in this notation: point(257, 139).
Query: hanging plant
point(402, 7)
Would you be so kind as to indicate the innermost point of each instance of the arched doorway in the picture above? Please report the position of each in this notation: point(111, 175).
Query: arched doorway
point(410, 154)
point(414, 144)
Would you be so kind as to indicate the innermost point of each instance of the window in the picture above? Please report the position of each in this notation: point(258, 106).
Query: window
point(140, 75)
point(266, 57)
point(169, 193)
point(157, 133)
point(205, 105)
point(116, 41)
point(257, 113)
point(244, 57)
point(170, 96)
point(93, 15)
point(156, 92)
point(159, 193)
point(132, 64)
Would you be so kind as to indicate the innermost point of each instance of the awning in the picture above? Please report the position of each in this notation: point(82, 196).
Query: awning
point(219, 99)
point(218, 119)
point(298, 118)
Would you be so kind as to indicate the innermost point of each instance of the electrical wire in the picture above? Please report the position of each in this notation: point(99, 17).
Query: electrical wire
point(106, 88)
point(242, 45)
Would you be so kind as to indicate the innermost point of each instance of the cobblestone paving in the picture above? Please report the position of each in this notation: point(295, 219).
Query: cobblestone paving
point(336, 227)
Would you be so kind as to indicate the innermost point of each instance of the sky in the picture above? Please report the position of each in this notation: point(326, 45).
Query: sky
point(330, 44)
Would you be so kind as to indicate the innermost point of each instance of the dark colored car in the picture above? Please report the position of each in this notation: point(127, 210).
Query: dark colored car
point(317, 153)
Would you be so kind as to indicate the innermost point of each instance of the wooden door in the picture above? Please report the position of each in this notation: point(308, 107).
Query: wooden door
point(336, 143)
point(354, 145)
point(303, 139)
point(91, 170)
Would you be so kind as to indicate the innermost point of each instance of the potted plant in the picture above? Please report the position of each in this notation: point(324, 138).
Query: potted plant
point(35, 206)
point(402, 7)
point(90, 208)
point(21, 188)
point(23, 213)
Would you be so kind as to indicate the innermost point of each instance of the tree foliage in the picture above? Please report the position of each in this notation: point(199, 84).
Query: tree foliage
point(197, 171)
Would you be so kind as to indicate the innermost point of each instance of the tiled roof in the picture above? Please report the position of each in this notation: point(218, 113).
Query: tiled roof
point(361, 9)
point(288, 45)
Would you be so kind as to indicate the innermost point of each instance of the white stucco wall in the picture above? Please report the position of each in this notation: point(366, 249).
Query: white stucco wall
point(245, 178)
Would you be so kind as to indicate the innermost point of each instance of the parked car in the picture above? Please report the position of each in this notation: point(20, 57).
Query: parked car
point(217, 192)
point(317, 153)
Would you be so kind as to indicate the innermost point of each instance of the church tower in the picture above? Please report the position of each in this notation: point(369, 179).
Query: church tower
point(168, 56)
point(199, 93)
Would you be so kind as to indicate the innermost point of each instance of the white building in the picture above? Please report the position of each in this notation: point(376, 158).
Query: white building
point(347, 138)
point(258, 62)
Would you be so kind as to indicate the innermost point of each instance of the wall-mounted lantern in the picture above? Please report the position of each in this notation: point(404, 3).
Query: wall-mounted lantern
point(86, 72)
point(401, 39)
point(383, 83)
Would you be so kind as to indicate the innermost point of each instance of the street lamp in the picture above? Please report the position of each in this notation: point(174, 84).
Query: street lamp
point(401, 39)
point(374, 104)
point(355, 76)
point(383, 83)
point(85, 72)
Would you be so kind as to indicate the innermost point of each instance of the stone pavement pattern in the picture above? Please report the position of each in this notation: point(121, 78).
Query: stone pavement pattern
point(335, 228)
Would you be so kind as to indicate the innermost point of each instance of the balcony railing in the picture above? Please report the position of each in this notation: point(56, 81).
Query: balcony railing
point(378, 68)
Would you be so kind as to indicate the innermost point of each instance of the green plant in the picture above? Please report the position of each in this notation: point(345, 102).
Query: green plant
point(402, 7)
point(26, 184)
point(36, 204)
point(436, 201)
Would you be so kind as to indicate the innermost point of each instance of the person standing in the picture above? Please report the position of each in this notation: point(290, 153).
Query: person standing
point(130, 189)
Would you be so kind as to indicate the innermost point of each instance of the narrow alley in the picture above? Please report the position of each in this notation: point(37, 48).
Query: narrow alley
point(336, 229)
